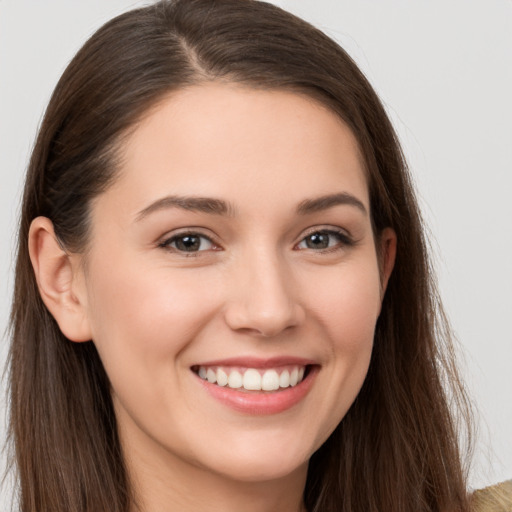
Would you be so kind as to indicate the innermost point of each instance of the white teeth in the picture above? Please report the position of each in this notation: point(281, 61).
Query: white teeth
point(270, 381)
point(253, 379)
point(222, 377)
point(211, 375)
point(235, 380)
point(284, 379)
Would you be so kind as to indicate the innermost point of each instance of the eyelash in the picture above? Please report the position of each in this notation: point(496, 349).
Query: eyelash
point(344, 240)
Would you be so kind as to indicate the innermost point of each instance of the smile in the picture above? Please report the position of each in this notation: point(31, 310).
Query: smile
point(258, 386)
point(253, 379)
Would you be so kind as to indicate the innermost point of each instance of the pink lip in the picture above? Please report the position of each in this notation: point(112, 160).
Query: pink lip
point(256, 362)
point(260, 403)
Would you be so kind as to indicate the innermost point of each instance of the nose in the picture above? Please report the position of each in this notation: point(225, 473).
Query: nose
point(263, 298)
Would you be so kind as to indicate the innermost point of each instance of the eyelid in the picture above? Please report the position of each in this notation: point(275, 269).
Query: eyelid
point(326, 228)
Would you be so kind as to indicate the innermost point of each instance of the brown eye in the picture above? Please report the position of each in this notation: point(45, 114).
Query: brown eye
point(324, 239)
point(188, 242)
point(317, 241)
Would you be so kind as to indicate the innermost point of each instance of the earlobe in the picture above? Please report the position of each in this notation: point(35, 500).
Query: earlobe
point(57, 278)
point(387, 257)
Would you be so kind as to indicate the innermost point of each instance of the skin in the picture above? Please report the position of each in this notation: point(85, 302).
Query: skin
point(255, 288)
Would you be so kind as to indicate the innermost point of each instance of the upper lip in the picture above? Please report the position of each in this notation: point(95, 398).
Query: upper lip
point(258, 362)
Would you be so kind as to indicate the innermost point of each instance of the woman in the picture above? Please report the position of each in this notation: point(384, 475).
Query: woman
point(223, 298)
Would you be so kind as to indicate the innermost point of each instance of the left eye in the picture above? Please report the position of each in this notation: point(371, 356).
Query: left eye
point(322, 240)
point(188, 242)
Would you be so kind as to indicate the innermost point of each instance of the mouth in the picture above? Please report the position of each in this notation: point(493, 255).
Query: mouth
point(258, 387)
point(253, 379)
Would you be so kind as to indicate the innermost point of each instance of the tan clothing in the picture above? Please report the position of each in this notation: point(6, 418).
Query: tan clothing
point(497, 498)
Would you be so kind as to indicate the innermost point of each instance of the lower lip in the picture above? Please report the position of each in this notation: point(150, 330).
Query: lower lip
point(261, 403)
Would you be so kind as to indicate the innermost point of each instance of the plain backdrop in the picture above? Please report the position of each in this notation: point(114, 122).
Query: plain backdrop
point(443, 68)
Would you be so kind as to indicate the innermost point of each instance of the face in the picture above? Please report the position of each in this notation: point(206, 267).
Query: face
point(232, 285)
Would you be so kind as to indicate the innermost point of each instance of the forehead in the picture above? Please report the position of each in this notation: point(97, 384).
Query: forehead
point(228, 141)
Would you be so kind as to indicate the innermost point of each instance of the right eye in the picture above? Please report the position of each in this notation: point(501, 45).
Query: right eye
point(188, 243)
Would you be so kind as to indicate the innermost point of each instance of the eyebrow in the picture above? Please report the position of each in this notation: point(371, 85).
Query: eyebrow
point(325, 202)
point(215, 206)
point(197, 204)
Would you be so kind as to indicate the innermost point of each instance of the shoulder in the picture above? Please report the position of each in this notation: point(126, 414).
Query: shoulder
point(496, 498)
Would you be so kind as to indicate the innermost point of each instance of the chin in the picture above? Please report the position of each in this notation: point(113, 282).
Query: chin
point(261, 461)
point(254, 471)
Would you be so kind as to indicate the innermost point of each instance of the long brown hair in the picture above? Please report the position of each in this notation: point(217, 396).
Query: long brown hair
point(397, 447)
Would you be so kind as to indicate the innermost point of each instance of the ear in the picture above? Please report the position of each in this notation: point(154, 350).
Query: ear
point(387, 253)
point(60, 280)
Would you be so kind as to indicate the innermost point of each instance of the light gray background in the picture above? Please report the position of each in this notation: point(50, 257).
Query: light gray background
point(443, 69)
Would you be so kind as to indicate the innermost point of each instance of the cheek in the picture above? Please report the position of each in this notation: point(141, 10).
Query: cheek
point(347, 312)
point(141, 326)
point(349, 306)
point(146, 314)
